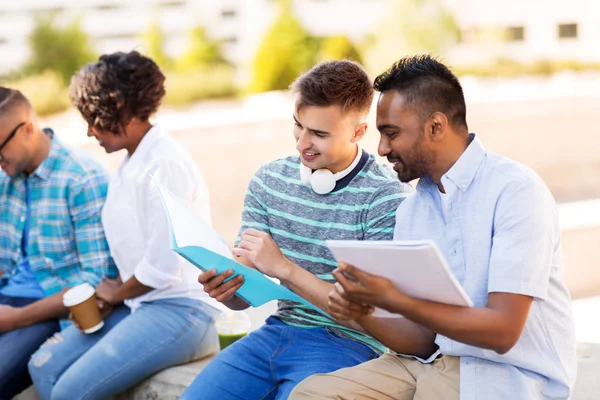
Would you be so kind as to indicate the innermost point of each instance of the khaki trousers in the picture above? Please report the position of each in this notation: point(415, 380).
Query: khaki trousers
point(387, 377)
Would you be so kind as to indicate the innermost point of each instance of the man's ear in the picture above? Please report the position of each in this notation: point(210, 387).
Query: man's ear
point(29, 130)
point(359, 132)
point(437, 126)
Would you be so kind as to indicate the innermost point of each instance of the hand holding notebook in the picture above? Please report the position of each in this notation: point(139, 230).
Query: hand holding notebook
point(416, 268)
point(203, 247)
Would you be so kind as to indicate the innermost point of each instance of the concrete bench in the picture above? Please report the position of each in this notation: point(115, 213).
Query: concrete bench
point(167, 384)
point(170, 383)
point(588, 372)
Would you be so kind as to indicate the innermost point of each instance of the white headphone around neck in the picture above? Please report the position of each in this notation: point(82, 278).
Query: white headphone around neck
point(323, 180)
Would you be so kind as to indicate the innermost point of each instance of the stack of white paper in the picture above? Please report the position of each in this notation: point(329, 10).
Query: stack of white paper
point(417, 268)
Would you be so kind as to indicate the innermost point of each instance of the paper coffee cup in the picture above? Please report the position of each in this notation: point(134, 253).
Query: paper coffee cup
point(81, 300)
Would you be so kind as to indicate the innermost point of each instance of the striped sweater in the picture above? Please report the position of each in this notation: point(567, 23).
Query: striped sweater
point(361, 207)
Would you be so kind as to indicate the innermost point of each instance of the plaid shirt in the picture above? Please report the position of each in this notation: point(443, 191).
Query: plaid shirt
point(66, 239)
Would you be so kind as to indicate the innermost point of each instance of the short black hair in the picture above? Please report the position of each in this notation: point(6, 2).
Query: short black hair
point(428, 85)
point(10, 99)
point(119, 87)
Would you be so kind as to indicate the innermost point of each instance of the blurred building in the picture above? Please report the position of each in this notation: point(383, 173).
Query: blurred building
point(112, 24)
point(119, 24)
point(522, 30)
point(527, 30)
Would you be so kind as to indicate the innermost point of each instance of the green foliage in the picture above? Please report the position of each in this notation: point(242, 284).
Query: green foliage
point(57, 53)
point(202, 83)
point(201, 73)
point(339, 48)
point(63, 50)
point(46, 92)
point(507, 68)
point(201, 52)
point(286, 51)
point(412, 27)
point(155, 40)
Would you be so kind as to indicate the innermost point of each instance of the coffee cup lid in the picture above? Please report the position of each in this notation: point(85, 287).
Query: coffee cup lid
point(78, 294)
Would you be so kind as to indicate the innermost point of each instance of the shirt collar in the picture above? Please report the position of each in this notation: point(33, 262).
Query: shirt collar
point(462, 173)
point(464, 169)
point(146, 144)
point(44, 170)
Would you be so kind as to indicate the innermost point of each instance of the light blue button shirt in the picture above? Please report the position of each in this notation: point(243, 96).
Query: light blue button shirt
point(501, 234)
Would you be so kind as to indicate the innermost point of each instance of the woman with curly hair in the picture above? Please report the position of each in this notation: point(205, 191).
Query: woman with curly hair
point(156, 313)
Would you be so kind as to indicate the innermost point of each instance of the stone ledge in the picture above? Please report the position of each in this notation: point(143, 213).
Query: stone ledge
point(588, 371)
point(167, 384)
point(170, 383)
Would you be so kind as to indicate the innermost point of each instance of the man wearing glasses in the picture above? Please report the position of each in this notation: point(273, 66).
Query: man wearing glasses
point(51, 236)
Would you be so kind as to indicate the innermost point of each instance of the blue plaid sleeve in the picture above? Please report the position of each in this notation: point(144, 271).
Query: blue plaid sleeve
point(85, 203)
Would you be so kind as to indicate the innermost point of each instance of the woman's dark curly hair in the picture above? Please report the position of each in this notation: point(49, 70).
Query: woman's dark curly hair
point(119, 87)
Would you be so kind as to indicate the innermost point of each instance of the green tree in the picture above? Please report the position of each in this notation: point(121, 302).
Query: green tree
point(46, 91)
point(339, 48)
point(201, 52)
point(286, 51)
point(155, 40)
point(411, 27)
point(60, 49)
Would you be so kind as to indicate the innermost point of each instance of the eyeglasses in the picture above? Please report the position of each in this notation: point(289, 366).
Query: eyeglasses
point(12, 134)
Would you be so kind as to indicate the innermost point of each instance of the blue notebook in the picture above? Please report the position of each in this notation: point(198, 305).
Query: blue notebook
point(195, 240)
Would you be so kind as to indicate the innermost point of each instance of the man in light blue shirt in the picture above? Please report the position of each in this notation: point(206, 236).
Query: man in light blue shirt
point(496, 223)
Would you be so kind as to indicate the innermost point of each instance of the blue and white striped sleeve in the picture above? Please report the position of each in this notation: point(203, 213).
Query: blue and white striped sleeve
point(255, 212)
point(380, 218)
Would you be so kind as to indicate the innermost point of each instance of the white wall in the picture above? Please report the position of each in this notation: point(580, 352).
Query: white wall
point(540, 19)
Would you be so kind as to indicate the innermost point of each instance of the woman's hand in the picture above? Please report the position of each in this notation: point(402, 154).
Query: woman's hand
point(108, 291)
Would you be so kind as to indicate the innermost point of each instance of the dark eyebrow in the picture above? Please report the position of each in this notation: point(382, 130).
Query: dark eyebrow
point(313, 131)
point(387, 126)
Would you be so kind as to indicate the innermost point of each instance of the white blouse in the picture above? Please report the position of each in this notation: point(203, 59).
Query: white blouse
point(136, 225)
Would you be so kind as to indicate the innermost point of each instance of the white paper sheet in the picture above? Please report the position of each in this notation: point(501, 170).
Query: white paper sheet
point(417, 268)
point(189, 228)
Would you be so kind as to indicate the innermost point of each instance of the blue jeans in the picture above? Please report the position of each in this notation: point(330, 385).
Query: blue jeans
point(270, 361)
point(129, 348)
point(16, 347)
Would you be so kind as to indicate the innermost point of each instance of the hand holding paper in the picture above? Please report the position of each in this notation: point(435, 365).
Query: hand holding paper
point(223, 286)
point(379, 268)
point(342, 308)
point(356, 287)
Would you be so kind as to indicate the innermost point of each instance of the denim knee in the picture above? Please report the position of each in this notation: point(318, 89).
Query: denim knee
point(42, 370)
point(67, 389)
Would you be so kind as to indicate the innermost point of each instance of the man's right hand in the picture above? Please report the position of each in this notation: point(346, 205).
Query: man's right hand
point(344, 310)
point(216, 287)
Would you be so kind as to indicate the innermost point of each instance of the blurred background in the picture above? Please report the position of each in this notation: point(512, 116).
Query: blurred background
point(530, 71)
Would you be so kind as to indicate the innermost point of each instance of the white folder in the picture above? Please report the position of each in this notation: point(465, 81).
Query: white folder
point(416, 268)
